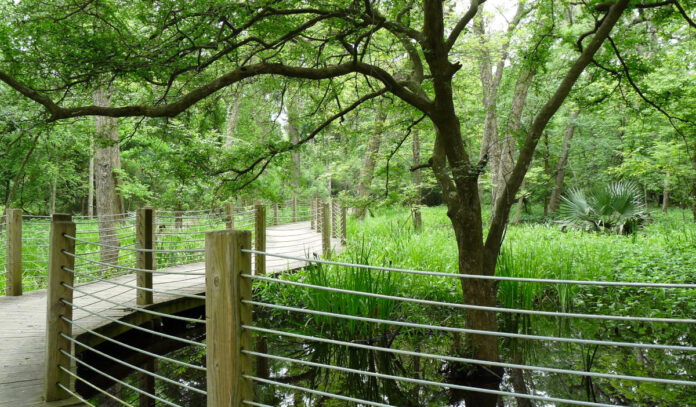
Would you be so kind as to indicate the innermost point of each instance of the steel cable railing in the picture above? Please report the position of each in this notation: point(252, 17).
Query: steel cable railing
point(338, 267)
point(119, 281)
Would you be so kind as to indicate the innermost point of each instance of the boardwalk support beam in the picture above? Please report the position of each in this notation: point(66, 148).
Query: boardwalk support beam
point(58, 277)
point(225, 314)
point(13, 257)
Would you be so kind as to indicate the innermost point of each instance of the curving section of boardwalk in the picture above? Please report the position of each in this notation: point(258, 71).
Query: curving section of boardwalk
point(22, 335)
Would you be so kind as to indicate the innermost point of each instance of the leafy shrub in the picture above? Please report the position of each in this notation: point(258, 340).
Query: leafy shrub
point(616, 207)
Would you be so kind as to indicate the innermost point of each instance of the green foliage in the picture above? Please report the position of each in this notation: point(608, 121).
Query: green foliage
point(615, 207)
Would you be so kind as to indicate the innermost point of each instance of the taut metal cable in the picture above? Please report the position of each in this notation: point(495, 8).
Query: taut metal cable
point(135, 287)
point(151, 354)
point(136, 308)
point(475, 331)
point(478, 277)
point(317, 392)
point(469, 360)
point(108, 376)
point(474, 307)
point(162, 334)
point(131, 366)
point(133, 249)
point(99, 389)
point(429, 382)
point(77, 396)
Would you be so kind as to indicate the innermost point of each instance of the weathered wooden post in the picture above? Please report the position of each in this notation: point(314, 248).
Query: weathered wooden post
point(320, 216)
point(313, 214)
point(417, 220)
point(326, 229)
point(275, 213)
point(334, 218)
point(58, 276)
point(225, 314)
point(230, 215)
point(344, 233)
point(260, 238)
point(294, 209)
point(145, 256)
point(145, 260)
point(13, 255)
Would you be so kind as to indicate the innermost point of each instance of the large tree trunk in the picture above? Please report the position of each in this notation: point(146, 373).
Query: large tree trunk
point(416, 150)
point(665, 194)
point(90, 179)
point(555, 200)
point(232, 110)
point(107, 161)
point(369, 162)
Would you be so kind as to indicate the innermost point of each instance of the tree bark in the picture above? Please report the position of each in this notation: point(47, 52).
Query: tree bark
point(665, 194)
point(416, 150)
point(107, 161)
point(292, 129)
point(555, 200)
point(52, 201)
point(90, 179)
point(520, 202)
point(232, 111)
point(368, 168)
point(507, 154)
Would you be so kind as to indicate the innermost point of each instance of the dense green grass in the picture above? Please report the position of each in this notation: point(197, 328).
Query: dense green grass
point(663, 251)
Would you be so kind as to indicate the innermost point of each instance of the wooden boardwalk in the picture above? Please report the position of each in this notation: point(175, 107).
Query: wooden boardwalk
point(22, 334)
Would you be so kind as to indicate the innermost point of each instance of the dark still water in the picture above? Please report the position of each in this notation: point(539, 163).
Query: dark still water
point(637, 362)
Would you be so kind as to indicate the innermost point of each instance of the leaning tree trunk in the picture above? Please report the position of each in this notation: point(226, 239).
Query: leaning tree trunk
point(507, 154)
point(107, 162)
point(368, 168)
point(555, 200)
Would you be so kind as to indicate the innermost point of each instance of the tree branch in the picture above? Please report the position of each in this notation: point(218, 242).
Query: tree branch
point(172, 109)
point(504, 201)
point(459, 27)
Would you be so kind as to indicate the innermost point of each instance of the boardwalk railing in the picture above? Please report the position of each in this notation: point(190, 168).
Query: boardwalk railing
point(236, 347)
point(243, 327)
point(24, 239)
point(99, 290)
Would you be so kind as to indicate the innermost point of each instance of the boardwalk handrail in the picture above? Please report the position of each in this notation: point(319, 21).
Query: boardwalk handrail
point(341, 267)
point(80, 299)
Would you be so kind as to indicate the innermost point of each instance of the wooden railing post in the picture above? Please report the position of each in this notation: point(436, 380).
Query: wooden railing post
point(334, 218)
point(275, 213)
point(260, 238)
point(230, 215)
point(225, 314)
point(13, 256)
point(145, 239)
point(320, 216)
point(326, 229)
point(344, 233)
point(313, 214)
point(58, 277)
point(145, 260)
point(294, 209)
